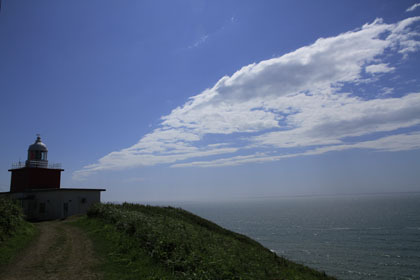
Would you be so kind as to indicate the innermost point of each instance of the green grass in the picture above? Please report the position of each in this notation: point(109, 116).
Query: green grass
point(145, 242)
point(119, 255)
point(15, 232)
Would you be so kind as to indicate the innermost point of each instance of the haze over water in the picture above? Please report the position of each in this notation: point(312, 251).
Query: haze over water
point(350, 237)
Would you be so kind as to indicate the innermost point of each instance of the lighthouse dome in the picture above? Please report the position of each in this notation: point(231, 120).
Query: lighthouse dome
point(38, 146)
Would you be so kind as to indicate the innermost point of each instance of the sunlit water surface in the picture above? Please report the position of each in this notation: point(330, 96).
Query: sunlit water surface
point(350, 237)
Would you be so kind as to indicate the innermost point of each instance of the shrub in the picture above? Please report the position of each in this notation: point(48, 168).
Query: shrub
point(11, 217)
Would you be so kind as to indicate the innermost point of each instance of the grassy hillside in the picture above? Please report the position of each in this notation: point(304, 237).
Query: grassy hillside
point(15, 232)
point(145, 242)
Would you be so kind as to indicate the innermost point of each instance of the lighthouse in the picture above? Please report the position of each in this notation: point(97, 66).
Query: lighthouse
point(35, 184)
point(35, 173)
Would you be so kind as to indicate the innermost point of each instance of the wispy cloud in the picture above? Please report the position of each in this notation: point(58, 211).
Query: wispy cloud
point(394, 143)
point(292, 105)
point(204, 37)
point(379, 68)
point(386, 91)
point(200, 41)
point(412, 8)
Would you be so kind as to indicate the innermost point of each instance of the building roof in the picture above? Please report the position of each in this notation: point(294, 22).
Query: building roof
point(55, 190)
point(38, 145)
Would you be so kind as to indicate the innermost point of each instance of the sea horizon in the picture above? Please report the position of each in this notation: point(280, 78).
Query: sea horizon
point(352, 236)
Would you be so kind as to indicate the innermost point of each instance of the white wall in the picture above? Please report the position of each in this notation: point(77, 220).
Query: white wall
point(48, 205)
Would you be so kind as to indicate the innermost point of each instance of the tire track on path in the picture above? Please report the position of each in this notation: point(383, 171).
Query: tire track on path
point(62, 251)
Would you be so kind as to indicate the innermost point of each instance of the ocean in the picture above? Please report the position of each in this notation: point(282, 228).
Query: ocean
point(349, 237)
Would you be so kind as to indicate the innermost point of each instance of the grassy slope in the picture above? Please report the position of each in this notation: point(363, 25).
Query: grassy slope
point(145, 242)
point(119, 254)
point(15, 232)
point(13, 245)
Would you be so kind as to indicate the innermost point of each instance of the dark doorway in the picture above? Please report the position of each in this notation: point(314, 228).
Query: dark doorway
point(65, 210)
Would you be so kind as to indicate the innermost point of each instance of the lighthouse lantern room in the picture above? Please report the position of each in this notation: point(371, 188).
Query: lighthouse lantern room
point(37, 154)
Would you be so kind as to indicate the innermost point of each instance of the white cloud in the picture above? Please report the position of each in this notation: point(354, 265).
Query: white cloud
point(386, 91)
point(325, 120)
point(379, 68)
point(231, 161)
point(133, 157)
point(292, 101)
point(393, 143)
point(412, 8)
point(404, 41)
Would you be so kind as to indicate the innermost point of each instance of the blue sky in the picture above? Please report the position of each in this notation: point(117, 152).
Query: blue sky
point(186, 100)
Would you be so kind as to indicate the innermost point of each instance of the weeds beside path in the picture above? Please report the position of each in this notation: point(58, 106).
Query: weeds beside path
point(62, 251)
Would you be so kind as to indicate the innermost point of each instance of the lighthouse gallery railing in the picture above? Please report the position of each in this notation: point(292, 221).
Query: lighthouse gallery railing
point(36, 164)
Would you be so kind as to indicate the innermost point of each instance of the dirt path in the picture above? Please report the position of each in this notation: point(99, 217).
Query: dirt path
point(62, 251)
